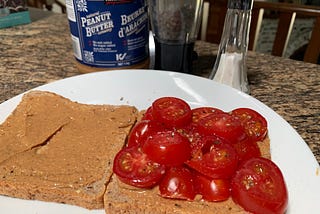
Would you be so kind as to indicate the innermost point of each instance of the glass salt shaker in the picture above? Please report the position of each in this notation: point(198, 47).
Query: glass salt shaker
point(230, 65)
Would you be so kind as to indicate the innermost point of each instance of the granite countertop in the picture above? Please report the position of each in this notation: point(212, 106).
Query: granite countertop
point(41, 52)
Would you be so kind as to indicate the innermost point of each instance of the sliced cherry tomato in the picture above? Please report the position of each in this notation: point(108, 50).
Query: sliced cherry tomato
point(178, 184)
point(259, 187)
point(212, 189)
point(247, 149)
point(171, 111)
point(220, 162)
point(201, 112)
point(168, 147)
point(223, 125)
point(202, 144)
point(254, 123)
point(142, 130)
point(189, 131)
point(147, 114)
point(133, 167)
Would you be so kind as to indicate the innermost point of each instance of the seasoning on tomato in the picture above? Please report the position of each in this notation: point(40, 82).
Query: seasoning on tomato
point(201, 112)
point(255, 124)
point(247, 149)
point(258, 186)
point(133, 167)
point(223, 125)
point(168, 147)
point(220, 162)
point(172, 111)
point(202, 144)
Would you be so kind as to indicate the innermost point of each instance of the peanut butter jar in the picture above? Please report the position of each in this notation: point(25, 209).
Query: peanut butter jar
point(109, 34)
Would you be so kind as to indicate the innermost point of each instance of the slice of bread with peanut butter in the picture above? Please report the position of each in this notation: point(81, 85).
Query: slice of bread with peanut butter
point(53, 149)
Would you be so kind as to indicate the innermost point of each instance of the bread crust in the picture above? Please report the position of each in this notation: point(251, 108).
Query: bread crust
point(133, 201)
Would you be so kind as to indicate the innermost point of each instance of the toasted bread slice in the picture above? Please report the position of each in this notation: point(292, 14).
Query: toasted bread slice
point(18, 134)
point(63, 151)
point(121, 199)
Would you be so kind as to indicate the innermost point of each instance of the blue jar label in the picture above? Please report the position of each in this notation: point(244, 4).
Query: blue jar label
point(109, 33)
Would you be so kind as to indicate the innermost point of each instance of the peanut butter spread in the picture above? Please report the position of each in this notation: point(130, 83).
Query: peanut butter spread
point(54, 149)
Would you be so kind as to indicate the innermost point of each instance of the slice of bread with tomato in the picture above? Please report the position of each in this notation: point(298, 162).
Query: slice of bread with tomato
point(120, 198)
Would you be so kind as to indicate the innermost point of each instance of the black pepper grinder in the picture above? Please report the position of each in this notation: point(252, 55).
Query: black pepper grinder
point(230, 65)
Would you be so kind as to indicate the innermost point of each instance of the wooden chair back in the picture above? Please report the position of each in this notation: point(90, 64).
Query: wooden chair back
point(286, 13)
point(215, 10)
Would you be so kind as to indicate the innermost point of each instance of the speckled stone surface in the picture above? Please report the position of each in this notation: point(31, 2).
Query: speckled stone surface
point(41, 52)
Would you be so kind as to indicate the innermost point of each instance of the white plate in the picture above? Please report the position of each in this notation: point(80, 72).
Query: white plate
point(141, 87)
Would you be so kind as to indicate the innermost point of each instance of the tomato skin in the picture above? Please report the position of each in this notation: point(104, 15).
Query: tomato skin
point(141, 131)
point(213, 190)
point(219, 163)
point(247, 149)
point(201, 112)
point(171, 111)
point(162, 148)
point(178, 183)
point(147, 114)
point(259, 187)
point(255, 124)
point(223, 125)
point(202, 144)
point(133, 167)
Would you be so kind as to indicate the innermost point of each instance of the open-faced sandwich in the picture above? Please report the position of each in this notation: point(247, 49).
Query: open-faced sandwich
point(201, 160)
point(168, 159)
